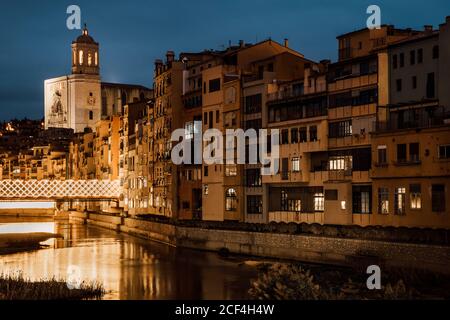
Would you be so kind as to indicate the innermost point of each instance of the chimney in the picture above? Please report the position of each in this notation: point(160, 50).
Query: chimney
point(286, 42)
point(170, 56)
point(241, 43)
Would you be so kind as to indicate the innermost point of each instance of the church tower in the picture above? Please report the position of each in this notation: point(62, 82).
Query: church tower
point(85, 55)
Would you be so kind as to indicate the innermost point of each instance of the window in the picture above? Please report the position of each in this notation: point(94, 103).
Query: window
point(253, 178)
point(343, 205)
point(96, 58)
point(205, 189)
point(230, 200)
point(211, 122)
point(444, 152)
point(361, 197)
point(319, 202)
point(414, 82)
point(206, 171)
point(284, 201)
point(217, 116)
point(294, 135)
point(284, 136)
point(337, 163)
point(313, 133)
point(253, 104)
point(89, 59)
point(284, 169)
point(402, 60)
point(420, 56)
point(205, 118)
point(412, 57)
point(91, 115)
point(401, 153)
point(438, 198)
point(340, 129)
point(400, 201)
point(295, 164)
point(414, 152)
point(430, 86)
point(436, 52)
point(214, 85)
point(303, 135)
point(295, 205)
point(383, 201)
point(382, 155)
point(254, 204)
point(80, 57)
point(415, 196)
point(395, 61)
point(398, 85)
point(231, 170)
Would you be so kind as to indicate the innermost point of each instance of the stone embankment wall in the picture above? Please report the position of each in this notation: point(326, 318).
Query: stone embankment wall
point(301, 247)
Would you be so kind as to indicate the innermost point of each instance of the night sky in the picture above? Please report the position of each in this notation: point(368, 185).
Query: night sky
point(35, 43)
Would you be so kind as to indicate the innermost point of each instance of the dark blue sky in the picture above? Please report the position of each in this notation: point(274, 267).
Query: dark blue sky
point(35, 43)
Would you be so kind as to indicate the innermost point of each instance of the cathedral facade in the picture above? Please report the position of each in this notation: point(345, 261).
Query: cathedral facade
point(80, 100)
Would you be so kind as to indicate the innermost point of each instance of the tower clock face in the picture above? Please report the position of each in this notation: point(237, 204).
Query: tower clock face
point(91, 100)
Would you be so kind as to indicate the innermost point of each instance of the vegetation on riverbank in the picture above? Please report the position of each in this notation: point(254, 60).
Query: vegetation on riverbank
point(294, 282)
point(16, 287)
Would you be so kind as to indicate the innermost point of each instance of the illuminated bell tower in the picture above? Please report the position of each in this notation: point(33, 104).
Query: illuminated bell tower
point(85, 55)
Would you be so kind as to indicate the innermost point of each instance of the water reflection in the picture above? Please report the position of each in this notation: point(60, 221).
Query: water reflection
point(128, 267)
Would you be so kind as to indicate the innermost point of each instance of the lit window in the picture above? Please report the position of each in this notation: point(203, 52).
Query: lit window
point(383, 201)
point(340, 163)
point(231, 170)
point(80, 57)
point(295, 205)
point(400, 201)
point(230, 200)
point(89, 59)
point(319, 202)
point(416, 196)
point(295, 164)
point(96, 58)
point(205, 189)
point(344, 205)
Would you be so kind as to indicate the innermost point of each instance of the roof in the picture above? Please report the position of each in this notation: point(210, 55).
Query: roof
point(382, 26)
point(85, 37)
point(124, 85)
point(418, 37)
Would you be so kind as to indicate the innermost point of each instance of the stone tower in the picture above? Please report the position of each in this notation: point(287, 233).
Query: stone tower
point(85, 55)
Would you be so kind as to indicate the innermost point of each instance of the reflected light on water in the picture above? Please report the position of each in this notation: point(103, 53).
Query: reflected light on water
point(27, 205)
point(48, 227)
point(129, 268)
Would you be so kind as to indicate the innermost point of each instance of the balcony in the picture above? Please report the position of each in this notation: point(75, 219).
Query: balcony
point(420, 118)
point(285, 94)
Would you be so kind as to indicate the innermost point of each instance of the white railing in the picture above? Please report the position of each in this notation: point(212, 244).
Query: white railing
point(59, 189)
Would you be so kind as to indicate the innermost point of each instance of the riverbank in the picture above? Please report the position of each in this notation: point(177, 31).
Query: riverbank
point(17, 288)
point(17, 242)
point(322, 247)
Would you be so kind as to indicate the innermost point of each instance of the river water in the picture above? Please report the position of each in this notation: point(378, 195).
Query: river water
point(127, 267)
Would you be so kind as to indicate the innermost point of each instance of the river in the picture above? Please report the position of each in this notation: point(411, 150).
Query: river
point(128, 267)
